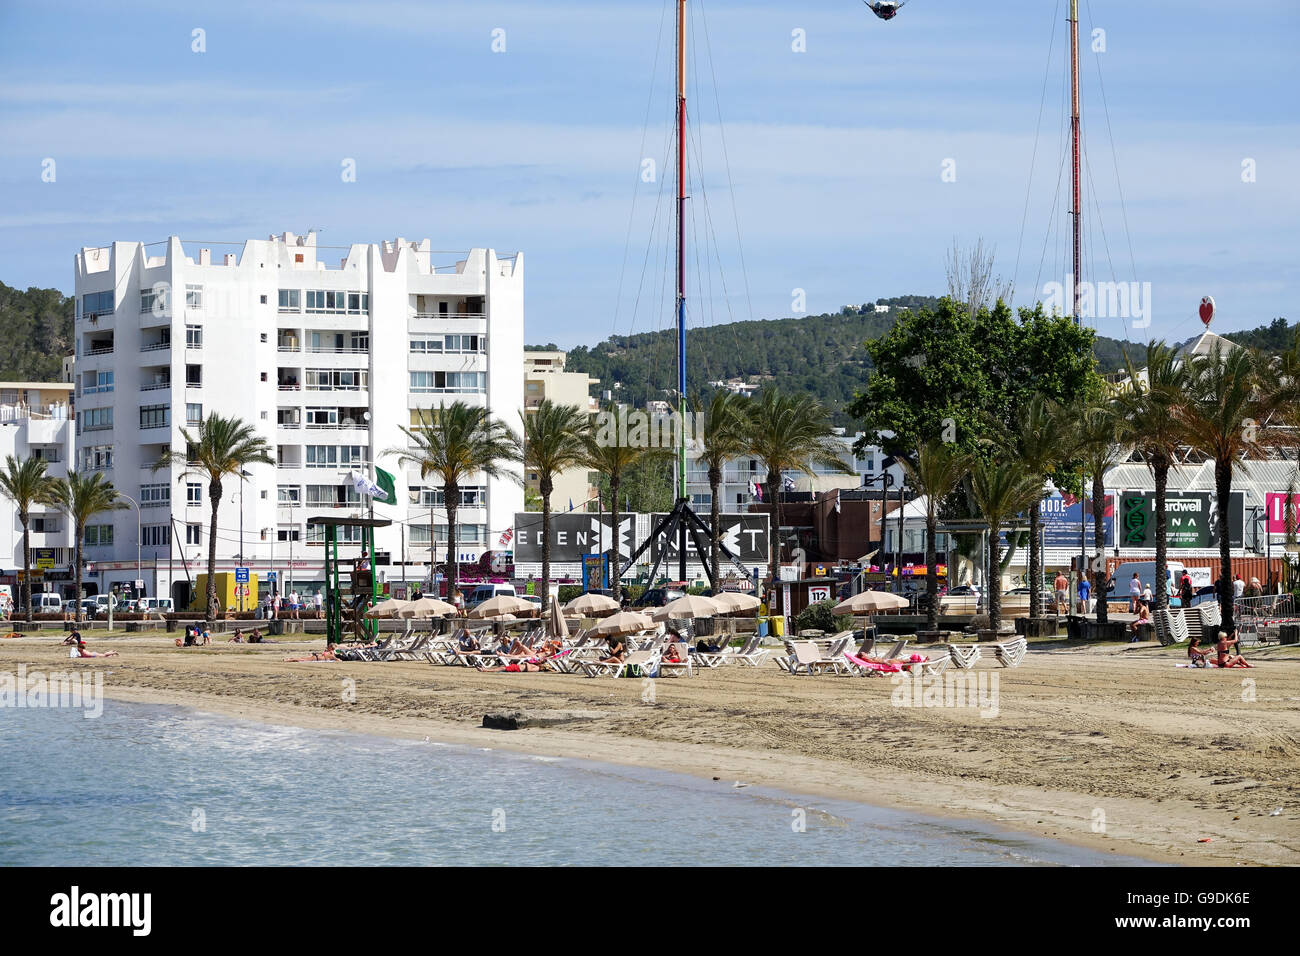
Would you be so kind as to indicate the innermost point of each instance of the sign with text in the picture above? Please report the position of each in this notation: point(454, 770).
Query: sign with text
point(1276, 506)
point(573, 534)
point(745, 534)
point(1191, 519)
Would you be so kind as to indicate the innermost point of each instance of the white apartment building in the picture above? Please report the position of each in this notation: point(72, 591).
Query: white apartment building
point(545, 377)
point(327, 362)
point(36, 422)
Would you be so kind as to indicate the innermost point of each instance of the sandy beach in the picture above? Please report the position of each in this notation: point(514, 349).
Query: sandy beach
point(1105, 746)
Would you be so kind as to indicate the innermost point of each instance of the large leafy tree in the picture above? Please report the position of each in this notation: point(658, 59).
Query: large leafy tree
point(1001, 490)
point(81, 497)
point(788, 432)
point(453, 444)
point(1148, 403)
point(554, 441)
point(935, 472)
point(723, 439)
point(220, 448)
point(26, 485)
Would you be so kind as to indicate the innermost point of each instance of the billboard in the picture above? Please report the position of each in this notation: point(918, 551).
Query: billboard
point(573, 534)
point(1275, 504)
point(1191, 519)
point(745, 534)
point(1061, 514)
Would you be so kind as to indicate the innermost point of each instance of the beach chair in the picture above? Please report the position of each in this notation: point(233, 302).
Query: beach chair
point(413, 651)
point(647, 661)
point(667, 667)
point(963, 656)
point(1010, 653)
point(934, 667)
point(751, 654)
point(894, 652)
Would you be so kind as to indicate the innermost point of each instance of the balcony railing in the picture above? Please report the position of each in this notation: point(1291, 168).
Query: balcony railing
point(155, 387)
point(322, 350)
point(450, 315)
point(156, 346)
point(102, 350)
point(288, 424)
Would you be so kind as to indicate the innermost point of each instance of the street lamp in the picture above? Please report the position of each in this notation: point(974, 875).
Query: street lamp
point(138, 576)
point(243, 488)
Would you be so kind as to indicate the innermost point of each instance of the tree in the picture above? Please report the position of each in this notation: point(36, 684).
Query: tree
point(1040, 437)
point(1001, 489)
point(608, 451)
point(789, 432)
point(26, 485)
point(553, 442)
point(935, 473)
point(723, 440)
point(1149, 404)
point(1102, 436)
point(1228, 396)
point(222, 448)
point(971, 280)
point(81, 498)
point(453, 444)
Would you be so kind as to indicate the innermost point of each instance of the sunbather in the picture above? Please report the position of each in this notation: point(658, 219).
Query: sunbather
point(1144, 617)
point(82, 652)
point(1195, 656)
point(617, 650)
point(325, 655)
point(1226, 657)
point(238, 638)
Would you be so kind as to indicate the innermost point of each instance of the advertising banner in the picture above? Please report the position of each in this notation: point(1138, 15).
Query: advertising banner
point(1191, 519)
point(1276, 505)
point(745, 534)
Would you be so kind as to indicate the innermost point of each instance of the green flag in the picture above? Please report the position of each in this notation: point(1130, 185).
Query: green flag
point(385, 482)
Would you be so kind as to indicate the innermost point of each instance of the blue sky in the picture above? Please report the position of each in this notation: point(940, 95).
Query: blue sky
point(835, 154)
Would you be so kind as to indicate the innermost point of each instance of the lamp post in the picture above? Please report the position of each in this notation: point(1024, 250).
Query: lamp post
point(137, 535)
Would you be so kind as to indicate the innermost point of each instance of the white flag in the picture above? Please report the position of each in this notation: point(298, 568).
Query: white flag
point(364, 485)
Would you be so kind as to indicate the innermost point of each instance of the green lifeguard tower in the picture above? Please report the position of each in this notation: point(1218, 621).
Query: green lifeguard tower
point(363, 586)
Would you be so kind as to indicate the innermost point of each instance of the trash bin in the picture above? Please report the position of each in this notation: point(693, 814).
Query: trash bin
point(275, 626)
point(778, 625)
point(762, 627)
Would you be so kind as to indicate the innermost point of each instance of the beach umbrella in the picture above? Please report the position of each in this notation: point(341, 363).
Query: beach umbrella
point(427, 607)
point(692, 605)
point(500, 605)
point(735, 601)
point(865, 602)
point(557, 626)
point(592, 605)
point(390, 608)
point(624, 622)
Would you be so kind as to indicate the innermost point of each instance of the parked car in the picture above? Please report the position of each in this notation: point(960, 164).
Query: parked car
point(88, 608)
point(658, 597)
point(47, 602)
point(148, 605)
point(961, 599)
point(485, 592)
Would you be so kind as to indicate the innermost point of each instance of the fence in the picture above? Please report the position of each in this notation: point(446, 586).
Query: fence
point(1261, 618)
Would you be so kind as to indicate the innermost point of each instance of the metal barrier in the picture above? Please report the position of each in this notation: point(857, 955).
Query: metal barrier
point(1261, 618)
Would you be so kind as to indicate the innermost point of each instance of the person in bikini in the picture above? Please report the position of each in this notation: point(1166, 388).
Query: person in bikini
point(1195, 656)
point(1224, 649)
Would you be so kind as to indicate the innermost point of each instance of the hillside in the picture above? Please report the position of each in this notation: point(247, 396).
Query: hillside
point(36, 327)
point(820, 354)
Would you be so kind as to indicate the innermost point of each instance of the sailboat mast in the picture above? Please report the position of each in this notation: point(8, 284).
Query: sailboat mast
point(681, 246)
point(1076, 211)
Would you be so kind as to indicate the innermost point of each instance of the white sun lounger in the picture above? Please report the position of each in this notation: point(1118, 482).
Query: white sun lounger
point(667, 667)
point(964, 656)
point(1010, 653)
point(648, 661)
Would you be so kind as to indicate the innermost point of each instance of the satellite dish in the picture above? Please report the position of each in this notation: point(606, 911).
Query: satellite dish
point(1207, 310)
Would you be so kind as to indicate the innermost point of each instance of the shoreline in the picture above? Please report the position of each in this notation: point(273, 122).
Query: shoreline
point(1091, 739)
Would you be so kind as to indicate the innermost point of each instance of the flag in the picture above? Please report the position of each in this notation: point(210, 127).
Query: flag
point(570, 504)
point(362, 484)
point(506, 537)
point(387, 490)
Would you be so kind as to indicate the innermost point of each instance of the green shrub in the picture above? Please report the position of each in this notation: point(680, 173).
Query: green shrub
point(819, 617)
point(568, 592)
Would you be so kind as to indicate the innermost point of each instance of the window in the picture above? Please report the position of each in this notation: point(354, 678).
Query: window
point(96, 419)
point(152, 495)
point(358, 303)
point(471, 496)
point(193, 413)
point(46, 524)
point(322, 456)
point(448, 381)
point(324, 300)
point(49, 455)
point(99, 535)
point(452, 344)
point(289, 496)
point(287, 534)
point(467, 534)
point(332, 496)
point(97, 303)
point(322, 417)
point(154, 299)
point(153, 535)
point(262, 300)
point(290, 300)
point(319, 379)
point(193, 376)
point(194, 336)
point(103, 383)
point(263, 337)
point(193, 493)
point(193, 534)
point(194, 297)
point(155, 416)
point(97, 457)
point(348, 534)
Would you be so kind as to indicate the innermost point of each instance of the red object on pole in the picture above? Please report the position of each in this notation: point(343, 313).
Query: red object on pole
point(1074, 131)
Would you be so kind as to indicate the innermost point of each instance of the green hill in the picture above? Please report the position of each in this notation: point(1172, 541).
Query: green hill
point(36, 327)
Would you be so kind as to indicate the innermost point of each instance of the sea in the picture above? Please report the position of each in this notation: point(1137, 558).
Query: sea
point(145, 785)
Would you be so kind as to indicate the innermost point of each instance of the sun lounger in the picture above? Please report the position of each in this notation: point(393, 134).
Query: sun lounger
point(811, 659)
point(647, 661)
point(751, 654)
point(667, 667)
point(963, 656)
point(1010, 653)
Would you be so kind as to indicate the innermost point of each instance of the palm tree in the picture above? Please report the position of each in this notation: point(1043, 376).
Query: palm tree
point(81, 497)
point(1001, 490)
point(723, 438)
point(606, 450)
point(26, 484)
point(1228, 396)
point(1039, 437)
point(1102, 436)
point(1149, 405)
point(938, 469)
point(222, 448)
point(789, 432)
point(554, 441)
point(453, 444)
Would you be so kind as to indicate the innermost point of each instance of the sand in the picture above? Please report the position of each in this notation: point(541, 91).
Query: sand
point(1106, 746)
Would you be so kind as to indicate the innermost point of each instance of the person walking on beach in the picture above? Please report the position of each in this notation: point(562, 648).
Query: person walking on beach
point(1085, 592)
point(319, 601)
point(1134, 593)
point(1062, 588)
point(1238, 587)
point(1185, 589)
point(293, 604)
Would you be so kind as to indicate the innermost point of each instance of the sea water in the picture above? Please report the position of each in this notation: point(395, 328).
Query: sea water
point(154, 785)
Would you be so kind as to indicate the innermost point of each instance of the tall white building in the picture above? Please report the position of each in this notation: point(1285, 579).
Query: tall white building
point(325, 362)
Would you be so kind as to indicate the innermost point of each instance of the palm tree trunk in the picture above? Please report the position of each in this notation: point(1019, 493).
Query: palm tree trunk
point(546, 488)
point(995, 578)
point(931, 570)
point(1099, 543)
point(1223, 495)
point(773, 480)
point(615, 584)
point(81, 531)
point(1035, 606)
point(715, 520)
point(1161, 468)
point(451, 494)
point(214, 492)
point(27, 566)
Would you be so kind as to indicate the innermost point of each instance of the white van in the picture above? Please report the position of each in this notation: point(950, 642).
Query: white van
point(485, 592)
point(1146, 572)
point(47, 602)
point(152, 605)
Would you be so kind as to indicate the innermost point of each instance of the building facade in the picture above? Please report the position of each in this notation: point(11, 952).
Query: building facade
point(545, 378)
point(327, 363)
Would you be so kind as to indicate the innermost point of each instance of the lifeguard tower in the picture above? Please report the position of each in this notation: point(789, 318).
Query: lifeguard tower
point(363, 586)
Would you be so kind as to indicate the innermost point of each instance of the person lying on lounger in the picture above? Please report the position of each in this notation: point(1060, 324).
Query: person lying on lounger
point(672, 655)
point(468, 643)
point(617, 650)
point(1224, 648)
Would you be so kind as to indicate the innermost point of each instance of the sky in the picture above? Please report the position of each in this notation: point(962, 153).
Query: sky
point(835, 157)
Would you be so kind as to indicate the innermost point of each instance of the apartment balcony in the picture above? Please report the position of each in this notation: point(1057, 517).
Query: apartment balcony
point(163, 386)
point(449, 316)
